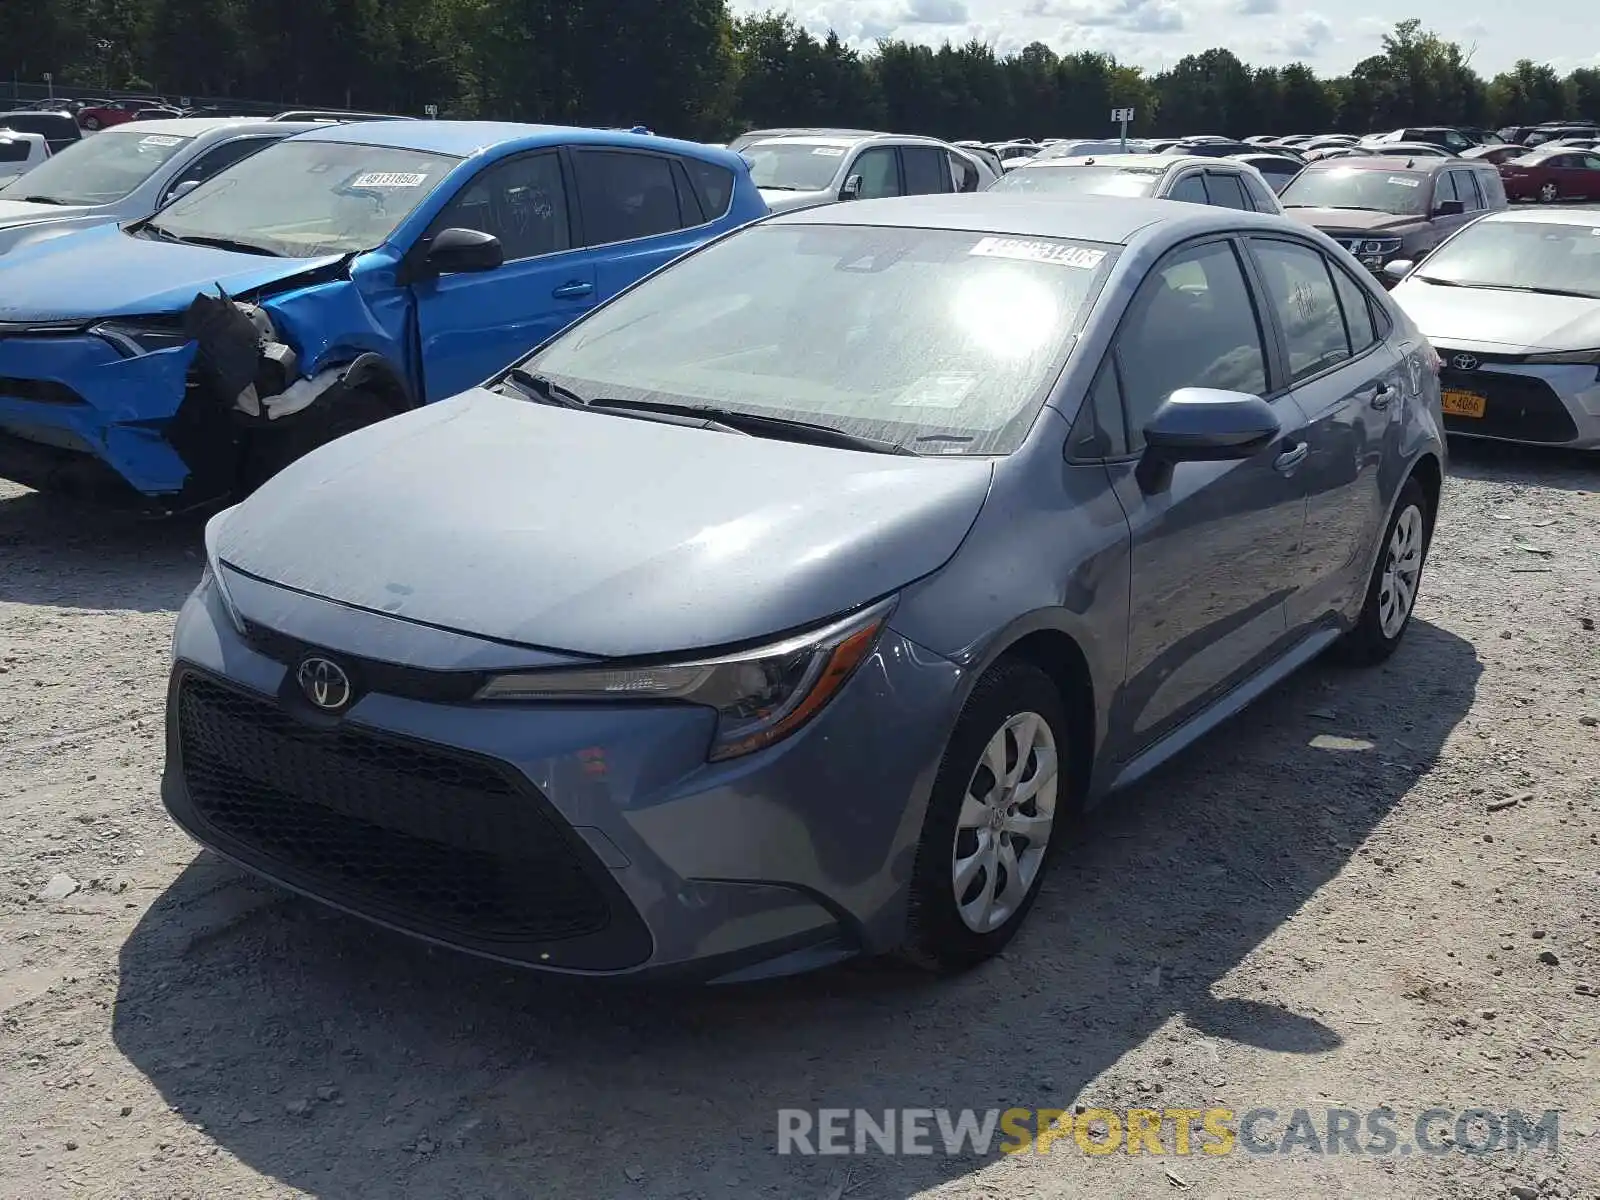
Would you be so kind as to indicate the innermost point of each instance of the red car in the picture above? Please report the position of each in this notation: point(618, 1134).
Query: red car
point(112, 112)
point(1553, 173)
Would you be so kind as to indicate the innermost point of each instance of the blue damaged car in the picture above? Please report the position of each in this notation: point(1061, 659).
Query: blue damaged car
point(327, 282)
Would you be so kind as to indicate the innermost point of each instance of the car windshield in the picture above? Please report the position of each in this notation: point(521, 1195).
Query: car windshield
point(793, 166)
point(1542, 255)
point(1381, 190)
point(1098, 180)
point(940, 341)
point(302, 199)
point(98, 170)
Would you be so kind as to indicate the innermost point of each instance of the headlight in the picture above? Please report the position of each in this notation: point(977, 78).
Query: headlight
point(134, 339)
point(213, 572)
point(761, 696)
point(1385, 245)
point(1573, 358)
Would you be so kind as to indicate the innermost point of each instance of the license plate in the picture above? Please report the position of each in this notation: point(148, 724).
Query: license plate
point(1464, 404)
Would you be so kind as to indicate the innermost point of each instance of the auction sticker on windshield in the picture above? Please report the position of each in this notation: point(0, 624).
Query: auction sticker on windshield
point(1404, 182)
point(160, 139)
point(1048, 252)
point(829, 151)
point(389, 179)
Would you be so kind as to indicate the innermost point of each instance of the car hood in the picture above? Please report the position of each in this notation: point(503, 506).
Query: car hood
point(598, 535)
point(1452, 316)
point(1363, 220)
point(20, 212)
point(779, 200)
point(104, 272)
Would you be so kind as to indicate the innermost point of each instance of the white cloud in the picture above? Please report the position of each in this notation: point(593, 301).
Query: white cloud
point(1136, 16)
point(1257, 8)
point(1308, 40)
point(936, 12)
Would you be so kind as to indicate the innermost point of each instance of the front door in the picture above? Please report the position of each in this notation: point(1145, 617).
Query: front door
point(1347, 381)
point(472, 325)
point(1213, 553)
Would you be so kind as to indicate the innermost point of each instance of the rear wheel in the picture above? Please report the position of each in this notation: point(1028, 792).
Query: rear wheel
point(92, 124)
point(269, 450)
point(1002, 804)
point(1396, 578)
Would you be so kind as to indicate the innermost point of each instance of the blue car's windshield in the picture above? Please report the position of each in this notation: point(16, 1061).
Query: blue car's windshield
point(97, 170)
point(303, 199)
point(938, 340)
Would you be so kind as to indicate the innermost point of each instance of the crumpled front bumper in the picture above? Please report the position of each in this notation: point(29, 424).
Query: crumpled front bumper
point(75, 395)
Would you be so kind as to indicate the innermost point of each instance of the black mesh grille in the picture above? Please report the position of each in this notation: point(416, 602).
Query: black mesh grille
point(1519, 406)
point(40, 391)
point(437, 842)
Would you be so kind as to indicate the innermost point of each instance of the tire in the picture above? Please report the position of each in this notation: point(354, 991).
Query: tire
point(269, 450)
point(1549, 194)
point(92, 124)
point(1401, 557)
point(1014, 699)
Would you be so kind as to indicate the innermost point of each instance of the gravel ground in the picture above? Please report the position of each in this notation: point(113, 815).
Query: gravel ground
point(1333, 903)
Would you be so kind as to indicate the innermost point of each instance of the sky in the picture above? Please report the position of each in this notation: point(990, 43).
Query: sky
point(1330, 36)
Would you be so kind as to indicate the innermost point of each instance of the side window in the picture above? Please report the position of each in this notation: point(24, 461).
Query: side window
point(1467, 189)
point(688, 202)
point(521, 201)
point(1301, 293)
point(625, 196)
point(1357, 308)
point(927, 170)
point(1260, 198)
point(879, 175)
point(964, 173)
point(1494, 192)
point(1192, 324)
point(1225, 191)
point(713, 185)
point(1455, 141)
point(1592, 162)
point(215, 160)
point(13, 149)
point(1444, 188)
point(1190, 190)
point(1100, 430)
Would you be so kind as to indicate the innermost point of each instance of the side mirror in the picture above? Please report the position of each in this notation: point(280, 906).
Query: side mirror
point(851, 189)
point(183, 189)
point(1203, 425)
point(458, 251)
point(1449, 208)
point(1398, 269)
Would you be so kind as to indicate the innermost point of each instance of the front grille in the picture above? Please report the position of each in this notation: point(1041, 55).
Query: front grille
point(1521, 407)
point(422, 837)
point(41, 391)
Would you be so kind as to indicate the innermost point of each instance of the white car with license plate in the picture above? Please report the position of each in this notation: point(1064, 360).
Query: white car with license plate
point(1511, 304)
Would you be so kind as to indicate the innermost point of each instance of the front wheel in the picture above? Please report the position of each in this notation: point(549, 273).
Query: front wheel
point(1000, 806)
point(1396, 578)
point(92, 124)
point(1549, 194)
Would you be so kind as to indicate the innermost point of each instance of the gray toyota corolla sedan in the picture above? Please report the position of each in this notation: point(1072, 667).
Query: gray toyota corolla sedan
point(795, 603)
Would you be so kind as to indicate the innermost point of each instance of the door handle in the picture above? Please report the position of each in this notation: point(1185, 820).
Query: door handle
point(1291, 458)
point(573, 290)
point(1382, 397)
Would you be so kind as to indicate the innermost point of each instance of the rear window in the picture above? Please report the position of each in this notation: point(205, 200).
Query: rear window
point(713, 185)
point(1097, 180)
point(1400, 192)
point(943, 341)
point(13, 150)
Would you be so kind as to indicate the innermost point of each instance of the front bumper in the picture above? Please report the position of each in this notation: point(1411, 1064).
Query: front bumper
point(72, 408)
point(1532, 404)
point(583, 839)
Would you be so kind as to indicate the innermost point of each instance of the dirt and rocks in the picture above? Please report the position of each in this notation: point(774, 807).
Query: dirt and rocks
point(1374, 889)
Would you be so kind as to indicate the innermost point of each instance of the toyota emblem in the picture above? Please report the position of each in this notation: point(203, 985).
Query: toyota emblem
point(325, 684)
point(1465, 362)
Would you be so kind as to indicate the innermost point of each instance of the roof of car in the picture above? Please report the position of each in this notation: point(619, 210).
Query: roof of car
point(1137, 162)
point(195, 126)
point(466, 138)
point(1547, 216)
point(1017, 214)
point(1419, 164)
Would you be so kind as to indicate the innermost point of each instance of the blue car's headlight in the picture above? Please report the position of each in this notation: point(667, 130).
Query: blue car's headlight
point(134, 339)
point(760, 695)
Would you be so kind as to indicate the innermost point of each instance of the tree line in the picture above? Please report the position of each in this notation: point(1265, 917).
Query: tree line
point(692, 69)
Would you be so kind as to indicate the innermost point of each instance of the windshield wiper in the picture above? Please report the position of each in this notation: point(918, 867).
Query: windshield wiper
point(220, 243)
point(777, 187)
point(548, 391)
point(40, 200)
point(545, 389)
point(1508, 287)
point(763, 424)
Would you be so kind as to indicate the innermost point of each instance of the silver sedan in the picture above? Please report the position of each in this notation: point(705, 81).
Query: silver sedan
point(1512, 305)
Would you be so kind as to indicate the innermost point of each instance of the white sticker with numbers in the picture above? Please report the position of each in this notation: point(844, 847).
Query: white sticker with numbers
point(389, 179)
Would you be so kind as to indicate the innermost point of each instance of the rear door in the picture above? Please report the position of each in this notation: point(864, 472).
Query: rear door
point(1346, 379)
point(637, 211)
point(926, 170)
point(1452, 185)
point(471, 325)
